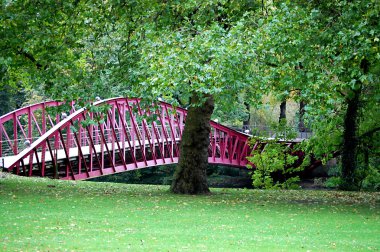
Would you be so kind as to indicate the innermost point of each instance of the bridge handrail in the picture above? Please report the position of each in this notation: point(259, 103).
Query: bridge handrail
point(50, 132)
point(24, 110)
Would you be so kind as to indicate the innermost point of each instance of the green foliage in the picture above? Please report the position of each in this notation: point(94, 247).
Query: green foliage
point(205, 60)
point(11, 98)
point(283, 131)
point(371, 181)
point(333, 182)
point(324, 53)
point(159, 175)
point(273, 163)
point(367, 177)
point(334, 170)
point(131, 177)
point(227, 171)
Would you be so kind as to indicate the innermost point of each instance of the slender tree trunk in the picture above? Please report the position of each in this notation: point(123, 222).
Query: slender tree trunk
point(350, 143)
point(246, 122)
point(301, 124)
point(282, 111)
point(350, 138)
point(190, 175)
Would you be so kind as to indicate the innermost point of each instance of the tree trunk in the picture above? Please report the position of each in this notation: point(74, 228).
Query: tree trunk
point(301, 123)
point(190, 175)
point(246, 122)
point(350, 138)
point(350, 143)
point(282, 111)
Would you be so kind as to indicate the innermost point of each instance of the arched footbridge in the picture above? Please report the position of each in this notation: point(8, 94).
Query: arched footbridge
point(85, 143)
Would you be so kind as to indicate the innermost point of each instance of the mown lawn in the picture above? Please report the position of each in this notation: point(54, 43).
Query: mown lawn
point(46, 215)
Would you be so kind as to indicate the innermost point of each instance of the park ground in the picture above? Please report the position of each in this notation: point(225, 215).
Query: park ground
point(49, 215)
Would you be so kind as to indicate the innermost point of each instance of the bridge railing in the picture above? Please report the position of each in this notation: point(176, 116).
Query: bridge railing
point(85, 143)
point(266, 131)
point(132, 133)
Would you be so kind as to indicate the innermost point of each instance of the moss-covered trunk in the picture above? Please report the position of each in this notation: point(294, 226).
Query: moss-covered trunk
point(190, 176)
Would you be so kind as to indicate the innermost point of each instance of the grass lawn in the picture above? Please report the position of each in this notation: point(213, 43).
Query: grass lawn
point(48, 215)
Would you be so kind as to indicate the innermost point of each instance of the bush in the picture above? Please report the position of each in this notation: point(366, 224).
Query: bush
point(371, 182)
point(275, 166)
point(333, 182)
point(367, 177)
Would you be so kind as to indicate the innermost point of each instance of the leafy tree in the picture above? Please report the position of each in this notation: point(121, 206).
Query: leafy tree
point(202, 59)
point(35, 44)
point(59, 47)
point(337, 45)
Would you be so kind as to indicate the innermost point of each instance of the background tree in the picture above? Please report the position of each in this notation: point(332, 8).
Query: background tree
point(337, 44)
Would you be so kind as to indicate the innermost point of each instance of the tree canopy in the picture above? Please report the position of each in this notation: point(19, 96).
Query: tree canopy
point(323, 54)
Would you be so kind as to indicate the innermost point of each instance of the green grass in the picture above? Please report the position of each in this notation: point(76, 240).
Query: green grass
point(46, 215)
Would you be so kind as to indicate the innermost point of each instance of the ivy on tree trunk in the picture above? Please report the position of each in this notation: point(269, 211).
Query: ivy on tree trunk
point(190, 175)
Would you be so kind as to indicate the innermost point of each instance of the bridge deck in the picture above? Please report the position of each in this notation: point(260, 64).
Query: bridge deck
point(8, 161)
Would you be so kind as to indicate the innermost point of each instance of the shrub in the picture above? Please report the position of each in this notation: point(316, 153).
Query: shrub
point(371, 182)
point(333, 182)
point(274, 165)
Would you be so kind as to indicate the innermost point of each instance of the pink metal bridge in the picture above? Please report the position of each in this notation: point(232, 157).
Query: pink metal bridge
point(127, 136)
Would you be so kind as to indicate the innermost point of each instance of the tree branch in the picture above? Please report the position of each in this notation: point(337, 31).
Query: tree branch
point(31, 58)
point(369, 133)
point(341, 93)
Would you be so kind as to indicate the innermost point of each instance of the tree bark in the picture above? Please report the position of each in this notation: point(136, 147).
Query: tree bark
point(190, 175)
point(350, 143)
